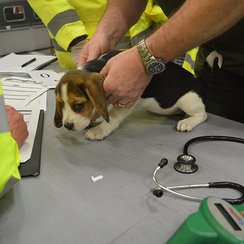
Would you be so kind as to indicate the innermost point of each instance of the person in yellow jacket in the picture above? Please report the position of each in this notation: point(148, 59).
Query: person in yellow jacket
point(13, 132)
point(70, 22)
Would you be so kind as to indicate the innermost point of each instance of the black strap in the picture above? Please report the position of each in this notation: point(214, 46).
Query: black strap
point(77, 40)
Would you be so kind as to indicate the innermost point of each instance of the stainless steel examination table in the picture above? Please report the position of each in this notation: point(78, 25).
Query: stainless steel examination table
point(63, 205)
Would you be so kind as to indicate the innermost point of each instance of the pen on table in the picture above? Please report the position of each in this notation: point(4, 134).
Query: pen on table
point(41, 66)
point(28, 62)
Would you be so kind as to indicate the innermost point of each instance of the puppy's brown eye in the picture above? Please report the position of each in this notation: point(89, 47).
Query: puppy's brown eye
point(78, 106)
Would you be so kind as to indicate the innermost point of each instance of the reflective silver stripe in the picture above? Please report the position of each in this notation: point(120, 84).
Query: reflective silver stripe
point(125, 42)
point(62, 19)
point(8, 186)
point(3, 120)
point(56, 46)
point(190, 61)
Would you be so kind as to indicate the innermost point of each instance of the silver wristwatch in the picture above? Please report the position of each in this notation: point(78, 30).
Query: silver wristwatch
point(152, 64)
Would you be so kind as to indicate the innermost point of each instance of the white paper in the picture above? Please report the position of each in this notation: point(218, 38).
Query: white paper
point(22, 90)
point(13, 62)
point(18, 93)
point(31, 117)
point(34, 96)
point(25, 88)
point(22, 95)
point(48, 78)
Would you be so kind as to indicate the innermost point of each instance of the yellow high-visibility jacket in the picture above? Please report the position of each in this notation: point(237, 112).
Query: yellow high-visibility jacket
point(190, 58)
point(69, 19)
point(9, 153)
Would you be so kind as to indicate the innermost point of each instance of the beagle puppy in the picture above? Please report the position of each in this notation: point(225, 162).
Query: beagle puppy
point(80, 99)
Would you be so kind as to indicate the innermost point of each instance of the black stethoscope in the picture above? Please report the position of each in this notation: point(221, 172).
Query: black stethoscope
point(186, 164)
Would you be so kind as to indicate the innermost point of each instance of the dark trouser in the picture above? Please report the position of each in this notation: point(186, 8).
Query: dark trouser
point(224, 92)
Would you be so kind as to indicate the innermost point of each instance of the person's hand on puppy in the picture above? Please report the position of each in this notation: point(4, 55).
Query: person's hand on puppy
point(125, 78)
point(17, 125)
point(98, 45)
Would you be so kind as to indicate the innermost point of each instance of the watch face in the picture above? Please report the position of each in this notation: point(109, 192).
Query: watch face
point(155, 67)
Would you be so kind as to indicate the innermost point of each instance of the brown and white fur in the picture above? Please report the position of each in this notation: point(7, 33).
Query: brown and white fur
point(80, 99)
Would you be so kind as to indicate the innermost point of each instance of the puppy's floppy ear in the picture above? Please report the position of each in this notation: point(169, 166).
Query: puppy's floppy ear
point(95, 92)
point(58, 117)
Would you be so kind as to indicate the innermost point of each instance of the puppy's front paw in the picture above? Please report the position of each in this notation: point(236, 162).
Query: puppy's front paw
point(99, 132)
point(184, 125)
point(189, 123)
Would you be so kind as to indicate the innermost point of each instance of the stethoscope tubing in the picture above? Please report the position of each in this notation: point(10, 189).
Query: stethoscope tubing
point(211, 138)
point(170, 189)
point(221, 184)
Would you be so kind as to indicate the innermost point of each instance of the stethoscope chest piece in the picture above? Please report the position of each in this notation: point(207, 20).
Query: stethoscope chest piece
point(186, 164)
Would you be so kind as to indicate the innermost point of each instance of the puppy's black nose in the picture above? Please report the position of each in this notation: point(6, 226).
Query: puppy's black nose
point(69, 126)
